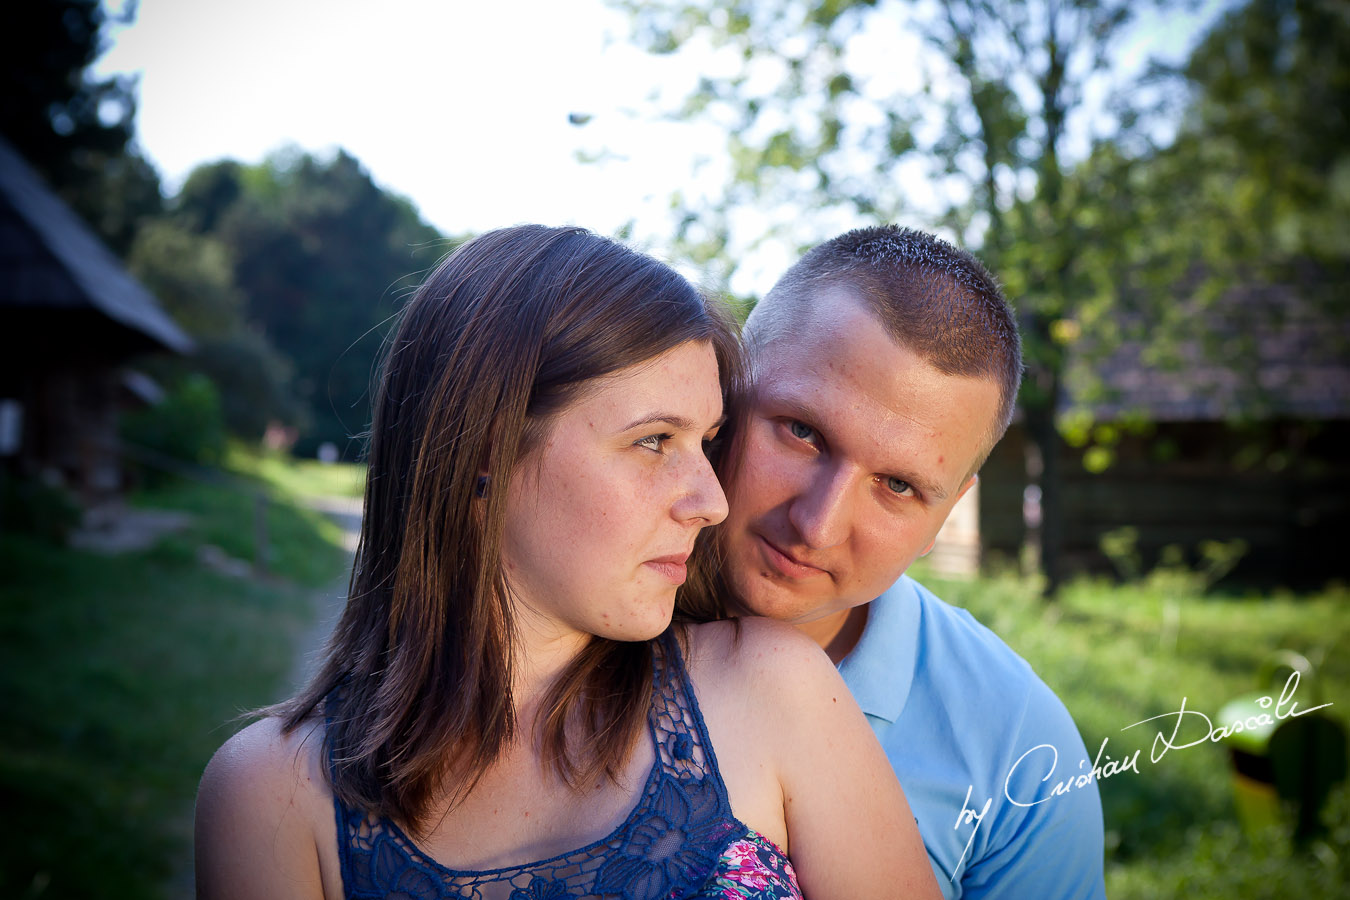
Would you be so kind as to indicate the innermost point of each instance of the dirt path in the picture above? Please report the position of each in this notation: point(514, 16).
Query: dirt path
point(328, 601)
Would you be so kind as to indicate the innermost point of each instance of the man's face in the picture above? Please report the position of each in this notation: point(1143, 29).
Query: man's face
point(854, 453)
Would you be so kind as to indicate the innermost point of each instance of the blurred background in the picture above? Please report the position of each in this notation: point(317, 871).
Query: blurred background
point(210, 213)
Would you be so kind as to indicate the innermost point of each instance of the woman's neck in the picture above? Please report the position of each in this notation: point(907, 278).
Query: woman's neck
point(541, 652)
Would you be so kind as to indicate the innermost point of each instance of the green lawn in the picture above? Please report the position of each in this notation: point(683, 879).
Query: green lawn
point(1120, 654)
point(121, 675)
point(298, 479)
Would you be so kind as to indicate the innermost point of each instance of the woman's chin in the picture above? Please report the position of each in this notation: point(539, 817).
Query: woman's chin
point(646, 626)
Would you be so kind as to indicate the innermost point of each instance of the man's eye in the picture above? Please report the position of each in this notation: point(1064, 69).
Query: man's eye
point(653, 442)
point(899, 486)
point(802, 431)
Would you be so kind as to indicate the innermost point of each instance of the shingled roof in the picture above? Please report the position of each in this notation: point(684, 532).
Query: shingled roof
point(49, 258)
point(1257, 352)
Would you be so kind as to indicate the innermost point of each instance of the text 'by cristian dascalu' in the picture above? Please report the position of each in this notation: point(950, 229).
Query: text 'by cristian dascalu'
point(1200, 729)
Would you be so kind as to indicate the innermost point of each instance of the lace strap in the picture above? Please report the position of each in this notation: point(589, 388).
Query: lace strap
point(677, 723)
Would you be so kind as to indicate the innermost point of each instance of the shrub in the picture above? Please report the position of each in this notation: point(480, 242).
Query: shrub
point(186, 426)
point(37, 509)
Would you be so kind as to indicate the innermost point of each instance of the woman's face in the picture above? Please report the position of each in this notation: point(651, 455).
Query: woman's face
point(601, 517)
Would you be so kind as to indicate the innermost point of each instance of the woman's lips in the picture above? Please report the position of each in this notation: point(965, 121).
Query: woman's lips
point(785, 564)
point(674, 568)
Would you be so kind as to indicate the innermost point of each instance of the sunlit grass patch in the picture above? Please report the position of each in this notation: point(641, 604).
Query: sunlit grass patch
point(121, 677)
point(1118, 654)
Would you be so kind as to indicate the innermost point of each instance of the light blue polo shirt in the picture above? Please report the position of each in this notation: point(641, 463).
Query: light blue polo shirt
point(966, 722)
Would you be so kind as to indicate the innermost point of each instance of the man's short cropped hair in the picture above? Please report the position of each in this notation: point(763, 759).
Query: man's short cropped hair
point(933, 299)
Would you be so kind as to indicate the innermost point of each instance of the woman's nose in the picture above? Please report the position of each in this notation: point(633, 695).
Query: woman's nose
point(703, 497)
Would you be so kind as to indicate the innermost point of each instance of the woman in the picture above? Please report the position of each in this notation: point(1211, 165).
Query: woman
point(504, 711)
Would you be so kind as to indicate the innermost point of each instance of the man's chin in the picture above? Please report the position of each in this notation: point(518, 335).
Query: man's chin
point(773, 601)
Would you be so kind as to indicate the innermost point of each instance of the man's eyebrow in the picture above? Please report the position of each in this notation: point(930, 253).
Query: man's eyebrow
point(679, 423)
point(796, 410)
point(933, 492)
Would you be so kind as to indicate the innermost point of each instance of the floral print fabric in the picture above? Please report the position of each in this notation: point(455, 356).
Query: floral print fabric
point(681, 841)
point(752, 868)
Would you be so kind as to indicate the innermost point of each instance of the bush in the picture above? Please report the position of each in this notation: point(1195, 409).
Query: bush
point(39, 510)
point(253, 380)
point(188, 425)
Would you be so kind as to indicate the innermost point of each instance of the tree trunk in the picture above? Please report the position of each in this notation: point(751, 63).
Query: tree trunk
point(1040, 400)
point(1049, 535)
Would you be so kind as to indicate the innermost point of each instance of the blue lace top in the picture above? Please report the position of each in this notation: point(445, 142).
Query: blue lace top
point(680, 841)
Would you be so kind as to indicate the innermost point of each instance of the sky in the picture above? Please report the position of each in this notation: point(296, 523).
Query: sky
point(461, 107)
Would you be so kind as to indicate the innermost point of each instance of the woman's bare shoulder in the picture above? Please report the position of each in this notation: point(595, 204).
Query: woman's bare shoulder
point(264, 806)
point(263, 758)
point(771, 658)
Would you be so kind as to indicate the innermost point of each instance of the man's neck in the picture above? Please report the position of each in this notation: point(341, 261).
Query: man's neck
point(837, 633)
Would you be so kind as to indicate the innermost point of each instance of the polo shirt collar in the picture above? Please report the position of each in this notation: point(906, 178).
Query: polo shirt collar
point(880, 669)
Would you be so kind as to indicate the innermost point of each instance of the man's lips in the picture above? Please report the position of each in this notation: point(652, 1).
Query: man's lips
point(784, 563)
point(672, 567)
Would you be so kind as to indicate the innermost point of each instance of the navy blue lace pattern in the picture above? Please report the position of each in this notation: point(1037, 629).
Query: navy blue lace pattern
point(668, 847)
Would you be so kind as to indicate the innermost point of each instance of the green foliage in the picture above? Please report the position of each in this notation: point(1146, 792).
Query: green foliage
point(254, 382)
point(187, 425)
point(75, 129)
point(1270, 81)
point(192, 276)
point(1172, 575)
point(122, 675)
point(303, 545)
point(320, 254)
point(50, 108)
point(298, 480)
point(1172, 829)
point(42, 511)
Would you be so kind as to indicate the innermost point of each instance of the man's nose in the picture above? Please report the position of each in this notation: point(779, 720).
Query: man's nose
point(820, 513)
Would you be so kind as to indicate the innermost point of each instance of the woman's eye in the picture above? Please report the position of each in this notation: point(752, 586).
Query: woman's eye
point(653, 441)
point(899, 486)
point(802, 431)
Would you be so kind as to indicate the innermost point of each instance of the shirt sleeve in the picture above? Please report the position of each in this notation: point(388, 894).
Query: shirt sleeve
point(1052, 848)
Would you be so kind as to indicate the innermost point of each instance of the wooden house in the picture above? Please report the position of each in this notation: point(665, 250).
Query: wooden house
point(71, 318)
point(1244, 434)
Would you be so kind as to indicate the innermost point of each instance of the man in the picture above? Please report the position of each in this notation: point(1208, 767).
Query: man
point(885, 366)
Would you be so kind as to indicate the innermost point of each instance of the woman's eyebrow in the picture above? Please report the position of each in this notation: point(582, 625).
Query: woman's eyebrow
point(680, 423)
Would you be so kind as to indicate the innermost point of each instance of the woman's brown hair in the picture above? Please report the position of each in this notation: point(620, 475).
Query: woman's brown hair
point(416, 682)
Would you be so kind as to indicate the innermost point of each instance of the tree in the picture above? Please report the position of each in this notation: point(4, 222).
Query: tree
point(813, 125)
point(1268, 124)
point(74, 129)
point(319, 253)
point(192, 276)
point(1252, 195)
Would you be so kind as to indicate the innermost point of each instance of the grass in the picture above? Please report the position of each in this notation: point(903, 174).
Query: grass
point(303, 545)
point(1118, 654)
point(298, 479)
point(121, 676)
